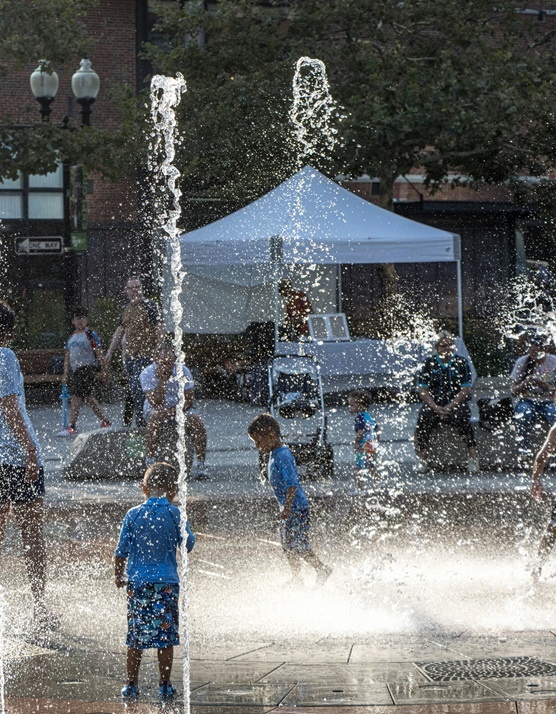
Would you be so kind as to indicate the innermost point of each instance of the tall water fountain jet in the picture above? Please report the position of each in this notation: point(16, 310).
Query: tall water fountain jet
point(166, 94)
point(2, 628)
point(312, 115)
point(313, 111)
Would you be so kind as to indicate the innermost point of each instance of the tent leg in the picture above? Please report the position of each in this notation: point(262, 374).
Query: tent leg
point(339, 288)
point(460, 299)
point(276, 310)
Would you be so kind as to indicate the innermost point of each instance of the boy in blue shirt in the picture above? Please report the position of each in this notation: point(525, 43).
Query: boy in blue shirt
point(366, 437)
point(295, 523)
point(149, 539)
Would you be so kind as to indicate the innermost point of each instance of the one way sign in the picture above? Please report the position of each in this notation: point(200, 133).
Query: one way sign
point(43, 245)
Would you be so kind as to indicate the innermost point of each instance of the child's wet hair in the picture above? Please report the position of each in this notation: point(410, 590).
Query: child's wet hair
point(79, 311)
point(262, 425)
point(161, 476)
point(361, 396)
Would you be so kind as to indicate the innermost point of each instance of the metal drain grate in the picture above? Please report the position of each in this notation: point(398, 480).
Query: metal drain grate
point(495, 667)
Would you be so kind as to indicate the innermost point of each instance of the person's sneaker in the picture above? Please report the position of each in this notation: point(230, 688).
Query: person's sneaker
point(130, 692)
point(44, 619)
point(323, 575)
point(473, 466)
point(422, 467)
point(201, 474)
point(105, 424)
point(166, 692)
point(71, 430)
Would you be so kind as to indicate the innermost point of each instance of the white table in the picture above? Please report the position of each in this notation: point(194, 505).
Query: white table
point(371, 363)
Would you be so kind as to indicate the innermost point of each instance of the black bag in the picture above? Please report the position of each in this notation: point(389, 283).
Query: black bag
point(494, 413)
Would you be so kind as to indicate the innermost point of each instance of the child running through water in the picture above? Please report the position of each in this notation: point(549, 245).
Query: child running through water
point(366, 437)
point(83, 360)
point(264, 431)
point(148, 541)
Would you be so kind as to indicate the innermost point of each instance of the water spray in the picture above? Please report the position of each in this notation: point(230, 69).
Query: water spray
point(166, 94)
point(2, 627)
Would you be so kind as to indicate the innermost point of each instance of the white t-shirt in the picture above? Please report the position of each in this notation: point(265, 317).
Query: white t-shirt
point(80, 348)
point(149, 382)
point(545, 369)
point(11, 382)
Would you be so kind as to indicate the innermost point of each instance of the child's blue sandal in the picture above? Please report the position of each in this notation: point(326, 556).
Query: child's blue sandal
point(166, 692)
point(130, 692)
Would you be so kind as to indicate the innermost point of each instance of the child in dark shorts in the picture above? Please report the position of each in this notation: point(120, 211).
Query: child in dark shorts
point(295, 522)
point(148, 540)
point(83, 360)
point(21, 473)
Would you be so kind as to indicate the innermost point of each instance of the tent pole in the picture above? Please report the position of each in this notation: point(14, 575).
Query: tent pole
point(339, 287)
point(276, 308)
point(276, 256)
point(460, 299)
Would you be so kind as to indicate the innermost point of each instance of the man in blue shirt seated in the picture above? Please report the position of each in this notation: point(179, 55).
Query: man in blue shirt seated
point(444, 389)
point(161, 386)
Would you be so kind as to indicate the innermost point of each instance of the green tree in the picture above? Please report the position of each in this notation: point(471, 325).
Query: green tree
point(445, 86)
point(233, 118)
point(53, 29)
point(449, 87)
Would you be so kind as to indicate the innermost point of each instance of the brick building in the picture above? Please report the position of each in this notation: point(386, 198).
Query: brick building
point(113, 244)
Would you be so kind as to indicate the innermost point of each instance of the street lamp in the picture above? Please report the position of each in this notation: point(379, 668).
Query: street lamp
point(44, 85)
point(85, 85)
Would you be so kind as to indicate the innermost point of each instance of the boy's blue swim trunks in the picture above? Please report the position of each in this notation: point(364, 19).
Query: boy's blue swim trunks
point(294, 533)
point(152, 615)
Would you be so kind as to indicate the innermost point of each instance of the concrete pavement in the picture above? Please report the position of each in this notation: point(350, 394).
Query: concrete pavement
point(432, 570)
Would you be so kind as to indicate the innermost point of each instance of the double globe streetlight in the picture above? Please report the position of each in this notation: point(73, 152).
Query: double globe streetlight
point(85, 85)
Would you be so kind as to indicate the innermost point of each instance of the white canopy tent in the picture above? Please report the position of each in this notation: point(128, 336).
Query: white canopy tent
point(307, 224)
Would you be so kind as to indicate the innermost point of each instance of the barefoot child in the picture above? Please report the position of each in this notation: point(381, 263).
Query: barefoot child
point(264, 431)
point(148, 541)
point(82, 361)
point(366, 437)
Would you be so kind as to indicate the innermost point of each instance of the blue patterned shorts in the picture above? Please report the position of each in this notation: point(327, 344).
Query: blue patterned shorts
point(152, 615)
point(365, 457)
point(294, 533)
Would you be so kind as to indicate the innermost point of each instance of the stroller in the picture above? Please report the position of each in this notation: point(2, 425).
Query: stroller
point(296, 396)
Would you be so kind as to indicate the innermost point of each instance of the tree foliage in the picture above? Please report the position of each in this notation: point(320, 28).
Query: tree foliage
point(444, 87)
point(53, 29)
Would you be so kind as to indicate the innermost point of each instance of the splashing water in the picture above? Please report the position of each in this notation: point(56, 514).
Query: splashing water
point(312, 112)
point(2, 627)
point(312, 116)
point(165, 96)
point(527, 308)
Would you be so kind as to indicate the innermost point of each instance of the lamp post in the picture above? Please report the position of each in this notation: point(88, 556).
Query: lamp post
point(85, 85)
point(44, 85)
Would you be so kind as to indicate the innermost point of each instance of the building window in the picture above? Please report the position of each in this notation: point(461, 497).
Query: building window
point(33, 197)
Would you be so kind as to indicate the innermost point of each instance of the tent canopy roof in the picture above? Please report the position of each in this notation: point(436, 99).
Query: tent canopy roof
point(311, 219)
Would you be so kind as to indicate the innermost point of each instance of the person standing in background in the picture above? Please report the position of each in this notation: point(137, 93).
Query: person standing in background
point(141, 325)
point(298, 309)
